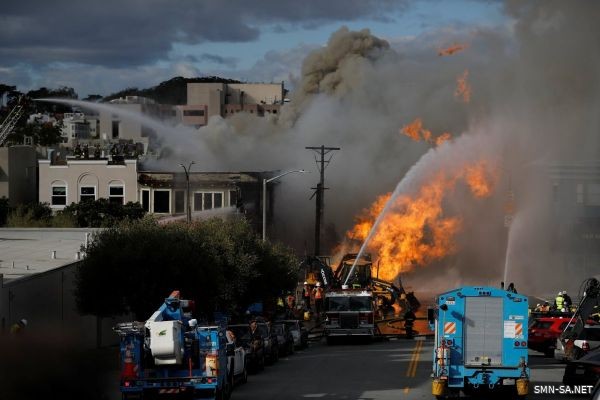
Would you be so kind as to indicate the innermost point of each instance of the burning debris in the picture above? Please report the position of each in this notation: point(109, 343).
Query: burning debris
point(455, 48)
point(463, 89)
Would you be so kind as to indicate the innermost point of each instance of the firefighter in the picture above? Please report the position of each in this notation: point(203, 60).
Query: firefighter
point(306, 296)
point(545, 307)
point(559, 302)
point(18, 328)
point(567, 300)
point(318, 295)
point(291, 303)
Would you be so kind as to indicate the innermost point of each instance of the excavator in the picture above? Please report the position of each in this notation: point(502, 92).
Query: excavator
point(588, 311)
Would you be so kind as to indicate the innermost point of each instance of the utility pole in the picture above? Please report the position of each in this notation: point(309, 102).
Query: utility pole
point(322, 151)
point(187, 192)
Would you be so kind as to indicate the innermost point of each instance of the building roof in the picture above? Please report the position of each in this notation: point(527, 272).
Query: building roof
point(28, 251)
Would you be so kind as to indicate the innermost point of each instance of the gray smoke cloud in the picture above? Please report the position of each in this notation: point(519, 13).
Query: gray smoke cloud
point(534, 99)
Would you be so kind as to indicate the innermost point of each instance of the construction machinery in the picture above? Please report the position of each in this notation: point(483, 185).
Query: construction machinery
point(170, 354)
point(10, 121)
point(480, 342)
point(587, 312)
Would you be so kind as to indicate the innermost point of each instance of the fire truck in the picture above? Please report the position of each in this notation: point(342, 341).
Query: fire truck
point(480, 342)
point(360, 304)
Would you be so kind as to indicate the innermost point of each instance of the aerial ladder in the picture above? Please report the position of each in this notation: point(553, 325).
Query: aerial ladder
point(10, 121)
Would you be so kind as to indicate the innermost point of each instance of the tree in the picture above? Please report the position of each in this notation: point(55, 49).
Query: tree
point(103, 213)
point(43, 134)
point(94, 98)
point(222, 265)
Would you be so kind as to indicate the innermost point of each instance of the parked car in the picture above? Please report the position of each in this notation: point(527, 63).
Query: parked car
point(589, 340)
point(255, 354)
point(236, 360)
point(585, 371)
point(270, 342)
point(299, 333)
point(543, 333)
point(285, 339)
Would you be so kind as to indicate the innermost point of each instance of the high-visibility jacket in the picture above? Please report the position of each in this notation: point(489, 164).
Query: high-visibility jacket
point(280, 302)
point(560, 302)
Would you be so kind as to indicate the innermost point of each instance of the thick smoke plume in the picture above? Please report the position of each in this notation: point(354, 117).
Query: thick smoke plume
point(533, 103)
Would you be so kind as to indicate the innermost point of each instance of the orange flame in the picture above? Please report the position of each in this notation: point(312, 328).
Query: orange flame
point(415, 232)
point(444, 137)
point(416, 132)
point(455, 48)
point(413, 130)
point(463, 89)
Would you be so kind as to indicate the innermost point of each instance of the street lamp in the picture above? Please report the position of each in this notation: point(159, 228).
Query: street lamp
point(265, 181)
point(187, 193)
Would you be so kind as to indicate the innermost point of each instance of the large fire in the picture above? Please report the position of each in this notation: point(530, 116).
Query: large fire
point(415, 230)
point(463, 89)
point(416, 132)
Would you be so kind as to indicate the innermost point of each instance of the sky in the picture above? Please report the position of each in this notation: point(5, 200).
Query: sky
point(102, 47)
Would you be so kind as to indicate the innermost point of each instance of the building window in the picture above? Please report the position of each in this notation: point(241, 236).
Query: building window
point(193, 113)
point(59, 195)
point(87, 193)
point(179, 201)
point(593, 194)
point(146, 200)
point(207, 200)
point(116, 194)
point(580, 193)
point(233, 198)
point(162, 201)
point(218, 200)
point(208, 204)
point(115, 129)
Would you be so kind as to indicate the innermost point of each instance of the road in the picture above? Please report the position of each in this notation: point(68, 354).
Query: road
point(380, 370)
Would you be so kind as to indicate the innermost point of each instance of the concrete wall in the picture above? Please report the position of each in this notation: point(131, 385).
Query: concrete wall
point(98, 173)
point(255, 93)
point(47, 301)
point(18, 175)
point(217, 96)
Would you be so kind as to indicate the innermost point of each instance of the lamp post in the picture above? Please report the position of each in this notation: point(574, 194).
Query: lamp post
point(187, 193)
point(265, 181)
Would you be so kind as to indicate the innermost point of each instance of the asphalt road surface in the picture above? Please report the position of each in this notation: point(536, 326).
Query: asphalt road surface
point(397, 369)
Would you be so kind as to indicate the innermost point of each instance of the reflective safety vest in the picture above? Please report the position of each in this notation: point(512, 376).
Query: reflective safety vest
point(560, 302)
point(280, 302)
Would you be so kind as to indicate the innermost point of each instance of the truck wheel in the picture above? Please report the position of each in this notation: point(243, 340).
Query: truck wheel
point(224, 393)
point(244, 377)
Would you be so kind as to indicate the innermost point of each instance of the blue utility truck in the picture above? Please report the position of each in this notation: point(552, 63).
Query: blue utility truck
point(480, 342)
point(170, 354)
